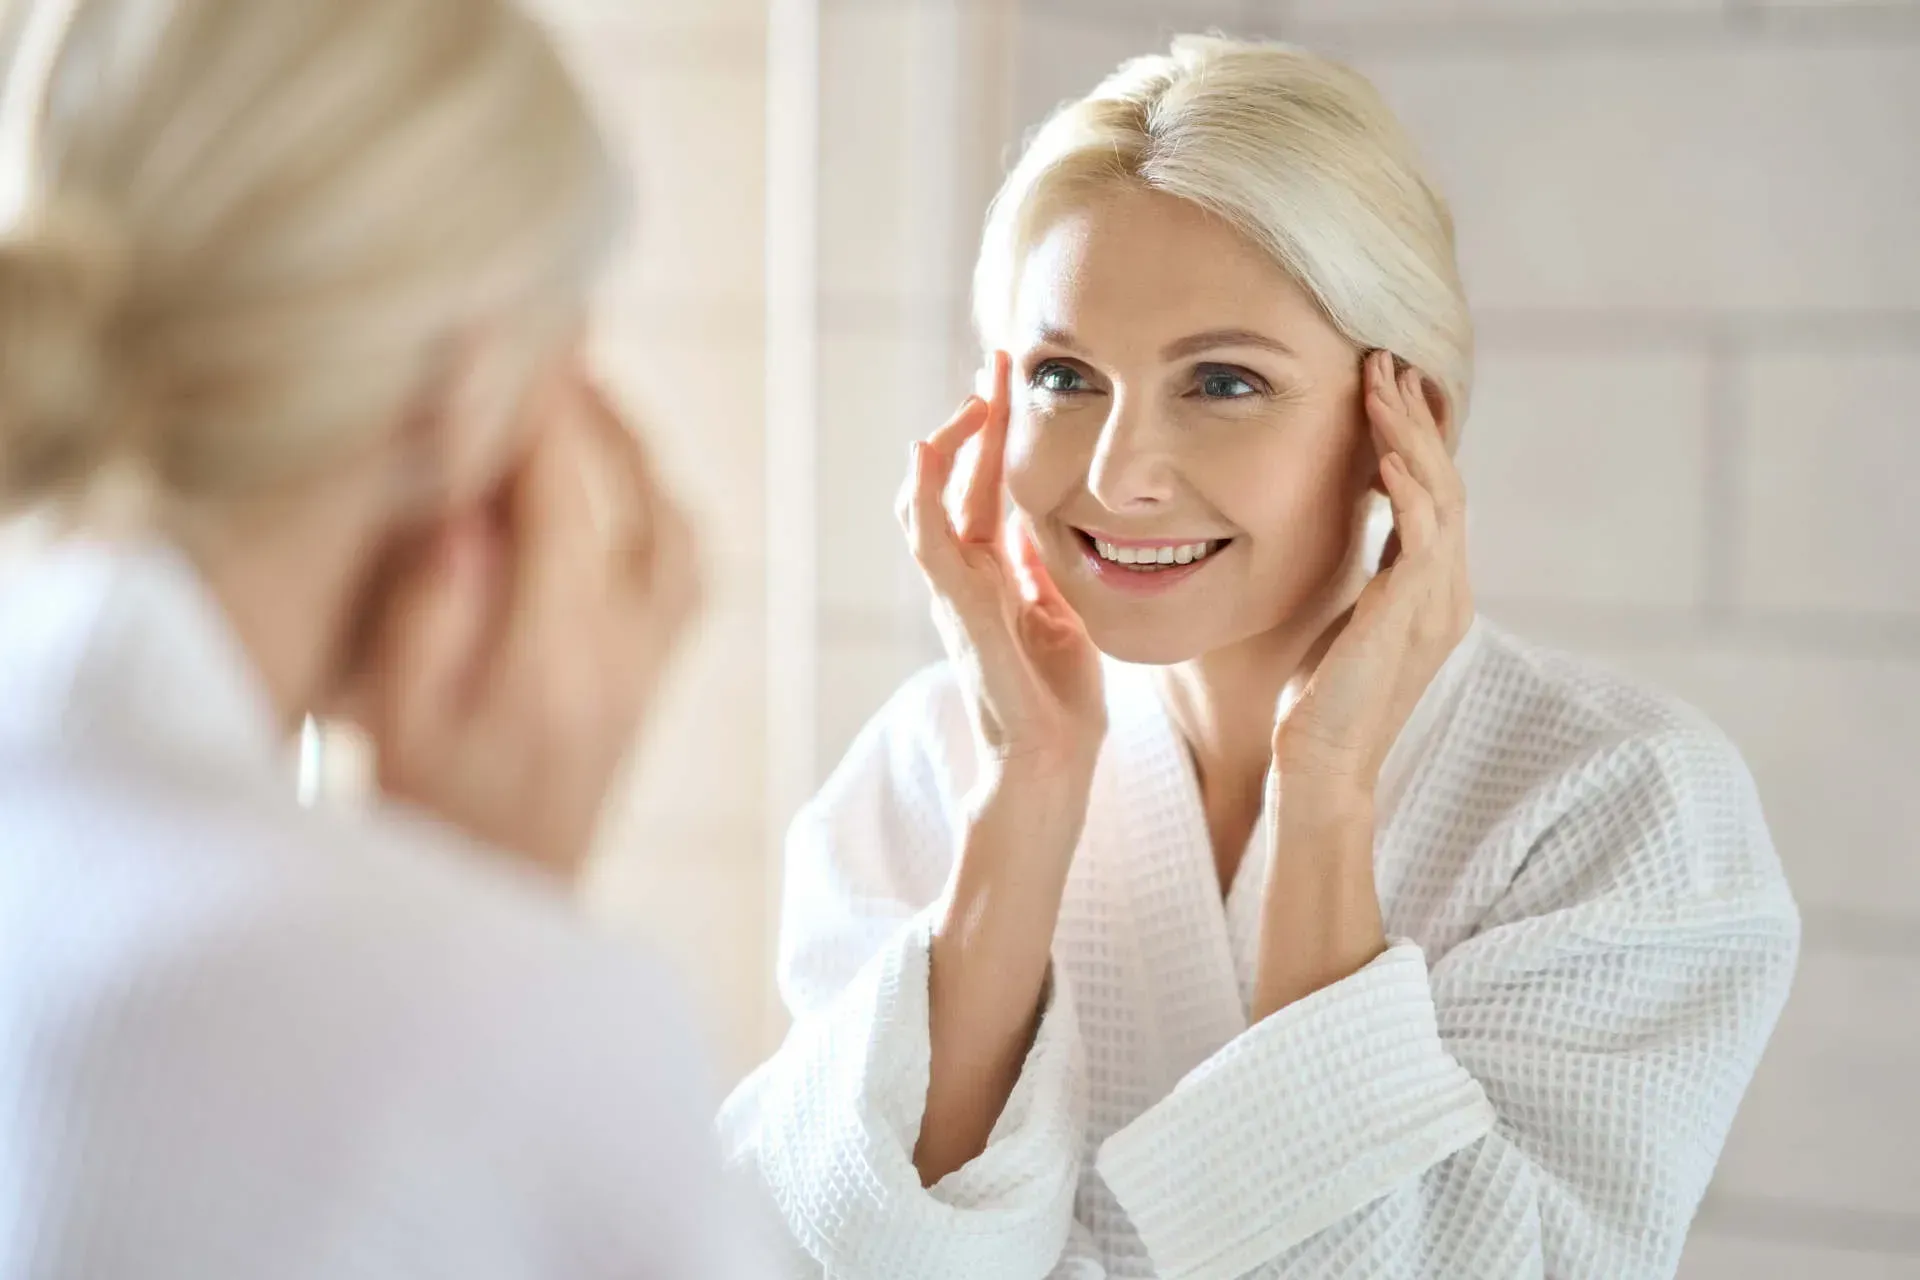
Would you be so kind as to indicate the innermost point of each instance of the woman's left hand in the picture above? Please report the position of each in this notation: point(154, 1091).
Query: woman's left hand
point(1321, 917)
point(1407, 620)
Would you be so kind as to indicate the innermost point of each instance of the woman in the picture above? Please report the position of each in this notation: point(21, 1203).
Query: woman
point(288, 335)
point(1327, 930)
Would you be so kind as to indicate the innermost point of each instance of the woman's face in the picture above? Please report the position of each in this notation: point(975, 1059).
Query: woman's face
point(1178, 396)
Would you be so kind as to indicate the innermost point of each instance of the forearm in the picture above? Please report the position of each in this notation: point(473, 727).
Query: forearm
point(1321, 915)
point(989, 962)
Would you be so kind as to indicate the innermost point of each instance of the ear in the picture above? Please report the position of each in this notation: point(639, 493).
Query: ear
point(488, 392)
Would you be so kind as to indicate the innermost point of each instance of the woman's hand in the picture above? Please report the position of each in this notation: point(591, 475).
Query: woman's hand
point(1410, 616)
point(1031, 674)
point(513, 663)
point(1032, 679)
point(1321, 918)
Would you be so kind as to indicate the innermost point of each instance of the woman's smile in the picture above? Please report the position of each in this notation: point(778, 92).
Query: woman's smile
point(1146, 566)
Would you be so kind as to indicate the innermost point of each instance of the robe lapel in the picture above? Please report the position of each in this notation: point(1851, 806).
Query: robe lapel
point(1143, 931)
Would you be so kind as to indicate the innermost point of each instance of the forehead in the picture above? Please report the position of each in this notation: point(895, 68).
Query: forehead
point(1136, 269)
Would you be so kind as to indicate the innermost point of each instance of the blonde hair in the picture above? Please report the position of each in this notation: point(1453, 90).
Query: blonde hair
point(1299, 154)
point(252, 229)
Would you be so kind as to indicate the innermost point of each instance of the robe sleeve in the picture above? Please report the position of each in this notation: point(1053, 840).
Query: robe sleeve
point(827, 1126)
point(1548, 1099)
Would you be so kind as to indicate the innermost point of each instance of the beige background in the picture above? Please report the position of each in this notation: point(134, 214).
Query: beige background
point(1689, 231)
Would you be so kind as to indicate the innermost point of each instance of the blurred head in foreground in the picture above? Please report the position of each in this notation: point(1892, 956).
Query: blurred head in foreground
point(282, 278)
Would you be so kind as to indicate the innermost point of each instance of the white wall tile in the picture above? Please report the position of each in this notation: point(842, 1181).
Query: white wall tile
point(696, 137)
point(1355, 11)
point(1832, 4)
point(702, 761)
point(1174, 15)
point(1716, 1257)
point(1823, 1122)
point(1585, 477)
point(700, 402)
point(1834, 745)
point(888, 143)
point(857, 676)
point(1063, 55)
point(1742, 176)
point(644, 17)
point(876, 395)
point(1830, 514)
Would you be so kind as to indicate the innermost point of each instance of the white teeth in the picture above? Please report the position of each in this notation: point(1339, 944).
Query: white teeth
point(1186, 553)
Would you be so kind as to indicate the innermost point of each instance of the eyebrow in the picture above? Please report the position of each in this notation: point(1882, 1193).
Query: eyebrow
point(1193, 344)
point(1196, 343)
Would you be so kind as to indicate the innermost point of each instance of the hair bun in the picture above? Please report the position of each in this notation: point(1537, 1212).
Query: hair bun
point(63, 280)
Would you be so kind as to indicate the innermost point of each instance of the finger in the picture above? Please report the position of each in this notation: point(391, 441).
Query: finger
point(1403, 423)
point(930, 534)
point(969, 418)
point(623, 470)
point(1414, 517)
point(432, 644)
point(558, 565)
point(981, 506)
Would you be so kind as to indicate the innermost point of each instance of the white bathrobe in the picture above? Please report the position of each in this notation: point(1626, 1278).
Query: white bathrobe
point(1591, 940)
point(242, 1040)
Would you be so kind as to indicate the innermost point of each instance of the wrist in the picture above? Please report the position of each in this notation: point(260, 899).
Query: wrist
point(1044, 796)
point(1320, 803)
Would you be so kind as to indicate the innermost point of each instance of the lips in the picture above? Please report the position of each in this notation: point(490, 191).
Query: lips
point(1146, 566)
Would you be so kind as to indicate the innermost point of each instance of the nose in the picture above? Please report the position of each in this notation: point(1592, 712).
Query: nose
point(1131, 469)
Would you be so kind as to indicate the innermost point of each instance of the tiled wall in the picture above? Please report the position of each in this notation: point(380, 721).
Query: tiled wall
point(915, 121)
point(1691, 232)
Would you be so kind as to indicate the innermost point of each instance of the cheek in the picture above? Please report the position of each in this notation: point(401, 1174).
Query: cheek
point(1282, 493)
point(1044, 467)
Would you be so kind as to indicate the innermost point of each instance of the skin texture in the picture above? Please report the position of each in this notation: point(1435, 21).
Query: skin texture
point(1168, 381)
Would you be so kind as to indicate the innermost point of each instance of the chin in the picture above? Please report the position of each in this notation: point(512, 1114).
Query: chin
point(1148, 646)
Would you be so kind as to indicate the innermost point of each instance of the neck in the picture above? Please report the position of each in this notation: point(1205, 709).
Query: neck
point(1224, 702)
point(1224, 705)
point(288, 581)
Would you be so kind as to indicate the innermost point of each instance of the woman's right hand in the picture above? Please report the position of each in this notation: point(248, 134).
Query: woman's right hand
point(1032, 678)
point(1030, 671)
point(511, 665)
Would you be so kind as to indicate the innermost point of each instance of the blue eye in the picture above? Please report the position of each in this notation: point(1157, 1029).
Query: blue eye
point(1058, 379)
point(1225, 384)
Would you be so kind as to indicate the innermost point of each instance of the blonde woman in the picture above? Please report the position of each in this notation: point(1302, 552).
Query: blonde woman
point(1321, 928)
point(288, 330)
